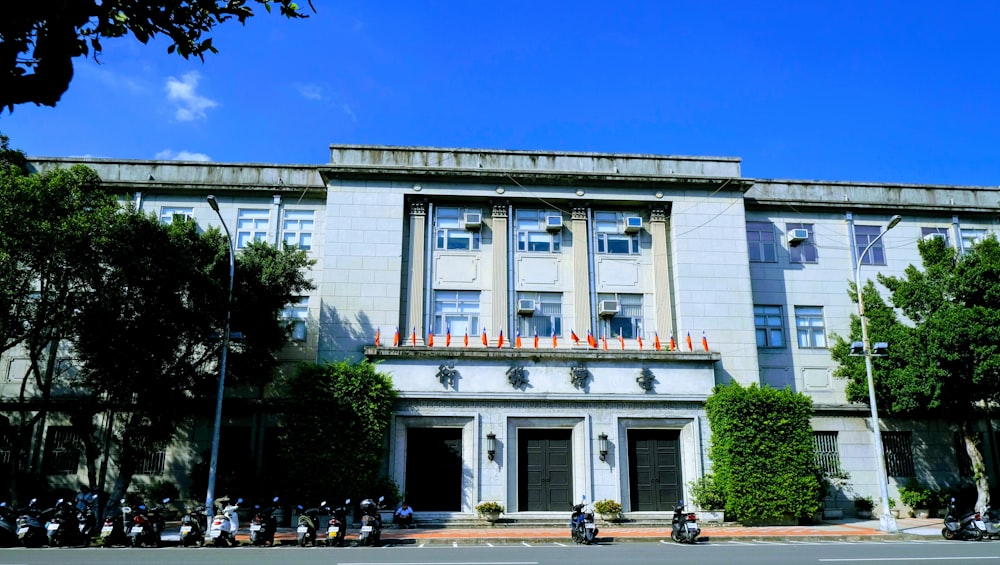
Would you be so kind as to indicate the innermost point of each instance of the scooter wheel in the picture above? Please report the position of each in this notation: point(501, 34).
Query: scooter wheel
point(977, 534)
point(947, 534)
point(676, 536)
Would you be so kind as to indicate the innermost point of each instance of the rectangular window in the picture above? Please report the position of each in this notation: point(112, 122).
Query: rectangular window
point(451, 229)
point(297, 228)
point(962, 455)
point(802, 251)
point(628, 321)
point(62, 451)
point(970, 237)
point(809, 326)
point(760, 242)
point(609, 228)
point(864, 235)
point(898, 450)
point(547, 317)
point(457, 310)
point(769, 325)
point(171, 214)
point(827, 453)
point(251, 225)
point(296, 315)
point(152, 463)
point(532, 235)
point(927, 233)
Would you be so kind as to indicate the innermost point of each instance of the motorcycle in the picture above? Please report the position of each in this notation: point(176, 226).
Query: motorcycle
point(31, 525)
point(371, 522)
point(192, 531)
point(225, 524)
point(308, 523)
point(8, 527)
point(684, 526)
point(70, 526)
point(147, 526)
point(991, 519)
point(336, 532)
point(113, 531)
point(581, 523)
point(264, 524)
point(964, 526)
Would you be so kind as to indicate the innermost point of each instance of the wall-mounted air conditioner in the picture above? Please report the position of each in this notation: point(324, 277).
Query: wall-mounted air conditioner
point(633, 224)
point(553, 223)
point(473, 220)
point(525, 306)
point(607, 308)
point(797, 236)
point(935, 236)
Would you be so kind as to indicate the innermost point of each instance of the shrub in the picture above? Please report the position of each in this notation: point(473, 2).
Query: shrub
point(864, 504)
point(917, 495)
point(489, 507)
point(706, 494)
point(608, 506)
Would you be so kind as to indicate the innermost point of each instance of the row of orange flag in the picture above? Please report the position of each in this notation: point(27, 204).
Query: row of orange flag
point(591, 340)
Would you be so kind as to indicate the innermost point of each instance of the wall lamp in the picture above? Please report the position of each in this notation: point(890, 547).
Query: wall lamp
point(602, 445)
point(491, 446)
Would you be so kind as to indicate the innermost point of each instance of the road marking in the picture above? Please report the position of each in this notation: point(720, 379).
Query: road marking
point(907, 559)
point(525, 544)
point(441, 563)
point(560, 544)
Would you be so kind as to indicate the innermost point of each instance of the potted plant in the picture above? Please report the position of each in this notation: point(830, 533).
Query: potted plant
point(609, 510)
point(918, 497)
point(863, 507)
point(835, 483)
point(490, 510)
point(709, 498)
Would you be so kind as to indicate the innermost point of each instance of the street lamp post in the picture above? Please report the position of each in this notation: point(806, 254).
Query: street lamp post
point(217, 428)
point(887, 522)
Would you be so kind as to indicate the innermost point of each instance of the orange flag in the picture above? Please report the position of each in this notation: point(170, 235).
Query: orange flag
point(395, 338)
point(465, 339)
point(673, 343)
point(500, 340)
point(485, 341)
point(590, 339)
point(413, 336)
point(447, 338)
point(517, 340)
point(656, 341)
point(536, 340)
point(378, 336)
point(621, 339)
point(430, 340)
point(604, 341)
point(555, 342)
point(640, 342)
point(704, 341)
point(690, 347)
point(574, 337)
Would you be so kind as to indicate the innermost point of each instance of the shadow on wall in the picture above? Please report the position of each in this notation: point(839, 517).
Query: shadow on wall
point(341, 338)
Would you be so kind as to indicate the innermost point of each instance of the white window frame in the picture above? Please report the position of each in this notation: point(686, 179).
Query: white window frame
point(946, 232)
point(169, 213)
point(769, 322)
point(456, 310)
point(450, 230)
point(761, 244)
point(532, 237)
point(610, 236)
point(296, 314)
point(297, 226)
point(548, 313)
point(628, 318)
point(810, 329)
point(251, 225)
point(972, 236)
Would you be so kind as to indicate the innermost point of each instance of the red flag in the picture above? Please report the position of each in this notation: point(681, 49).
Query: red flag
point(517, 340)
point(640, 342)
point(430, 340)
point(604, 341)
point(555, 342)
point(574, 337)
point(673, 343)
point(395, 338)
point(536, 340)
point(656, 341)
point(378, 336)
point(500, 340)
point(590, 339)
point(447, 338)
point(690, 347)
point(485, 341)
point(465, 340)
point(413, 336)
point(621, 339)
point(704, 341)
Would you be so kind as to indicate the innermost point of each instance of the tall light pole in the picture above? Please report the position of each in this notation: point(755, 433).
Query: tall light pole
point(217, 429)
point(887, 522)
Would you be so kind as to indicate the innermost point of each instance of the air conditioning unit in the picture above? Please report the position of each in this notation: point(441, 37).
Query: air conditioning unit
point(633, 224)
point(607, 308)
point(935, 236)
point(473, 221)
point(796, 237)
point(525, 306)
point(553, 223)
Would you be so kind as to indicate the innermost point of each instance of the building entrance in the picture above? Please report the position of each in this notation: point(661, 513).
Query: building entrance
point(434, 469)
point(654, 469)
point(545, 473)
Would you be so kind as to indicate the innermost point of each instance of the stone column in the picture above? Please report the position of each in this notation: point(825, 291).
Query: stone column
point(661, 272)
point(501, 235)
point(415, 297)
point(581, 273)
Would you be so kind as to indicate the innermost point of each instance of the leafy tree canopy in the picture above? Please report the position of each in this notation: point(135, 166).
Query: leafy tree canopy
point(39, 40)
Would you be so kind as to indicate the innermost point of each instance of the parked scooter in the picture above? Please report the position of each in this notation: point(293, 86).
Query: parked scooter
point(581, 523)
point(31, 525)
point(8, 526)
point(371, 522)
point(70, 526)
point(114, 531)
point(991, 520)
point(336, 532)
point(308, 523)
point(962, 525)
point(225, 524)
point(192, 530)
point(264, 524)
point(147, 526)
point(684, 526)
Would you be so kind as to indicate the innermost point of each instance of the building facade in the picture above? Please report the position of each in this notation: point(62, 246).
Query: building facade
point(554, 322)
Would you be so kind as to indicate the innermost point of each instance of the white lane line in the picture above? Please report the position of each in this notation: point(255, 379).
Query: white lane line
point(907, 559)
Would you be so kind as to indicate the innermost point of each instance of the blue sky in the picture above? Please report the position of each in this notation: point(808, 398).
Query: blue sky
point(862, 91)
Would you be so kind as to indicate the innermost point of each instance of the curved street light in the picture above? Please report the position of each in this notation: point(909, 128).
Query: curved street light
point(887, 522)
point(217, 429)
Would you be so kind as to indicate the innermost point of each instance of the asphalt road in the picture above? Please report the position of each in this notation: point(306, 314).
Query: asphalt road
point(723, 553)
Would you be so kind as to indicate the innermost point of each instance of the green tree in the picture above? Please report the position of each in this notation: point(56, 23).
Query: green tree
point(763, 458)
point(944, 358)
point(335, 428)
point(39, 40)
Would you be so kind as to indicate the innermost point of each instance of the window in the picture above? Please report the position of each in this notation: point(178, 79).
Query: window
point(760, 242)
point(864, 235)
point(62, 451)
point(898, 450)
point(809, 326)
point(628, 321)
point(547, 317)
point(804, 251)
point(927, 233)
point(451, 230)
point(171, 214)
point(609, 228)
point(152, 463)
point(769, 325)
point(251, 225)
point(962, 455)
point(297, 228)
point(296, 315)
point(457, 310)
point(531, 232)
point(970, 237)
point(827, 453)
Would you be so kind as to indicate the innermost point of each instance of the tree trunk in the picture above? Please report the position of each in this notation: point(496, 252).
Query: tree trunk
point(979, 475)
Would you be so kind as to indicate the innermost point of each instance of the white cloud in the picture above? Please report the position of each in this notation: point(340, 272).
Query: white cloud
point(190, 105)
point(183, 155)
point(311, 91)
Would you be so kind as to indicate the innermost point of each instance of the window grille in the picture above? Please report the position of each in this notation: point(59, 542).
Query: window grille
point(827, 453)
point(62, 451)
point(153, 463)
point(898, 450)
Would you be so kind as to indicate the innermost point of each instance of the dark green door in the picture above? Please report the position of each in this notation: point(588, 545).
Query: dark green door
point(545, 474)
point(654, 469)
point(434, 469)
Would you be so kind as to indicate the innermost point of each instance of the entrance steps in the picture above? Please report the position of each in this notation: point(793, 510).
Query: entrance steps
point(536, 520)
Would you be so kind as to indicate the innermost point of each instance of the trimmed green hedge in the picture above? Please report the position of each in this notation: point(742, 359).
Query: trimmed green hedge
point(762, 453)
